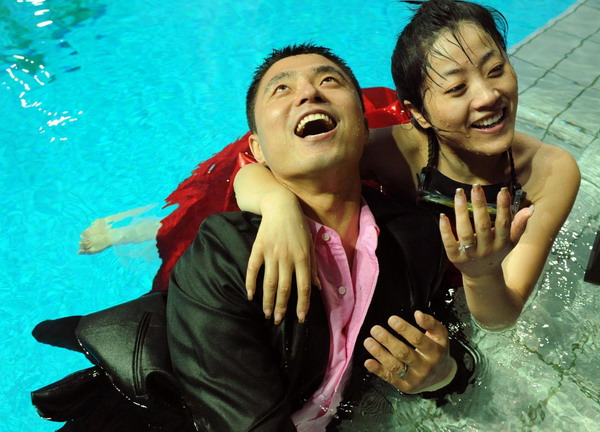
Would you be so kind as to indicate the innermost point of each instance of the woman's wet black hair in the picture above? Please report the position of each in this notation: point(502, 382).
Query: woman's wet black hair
point(410, 59)
point(291, 51)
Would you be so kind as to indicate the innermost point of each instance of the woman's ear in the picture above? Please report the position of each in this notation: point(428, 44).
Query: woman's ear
point(256, 149)
point(417, 115)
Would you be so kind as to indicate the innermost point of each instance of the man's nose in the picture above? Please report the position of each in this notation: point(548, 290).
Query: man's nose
point(308, 92)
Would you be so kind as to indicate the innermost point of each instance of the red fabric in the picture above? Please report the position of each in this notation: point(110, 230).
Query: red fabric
point(209, 189)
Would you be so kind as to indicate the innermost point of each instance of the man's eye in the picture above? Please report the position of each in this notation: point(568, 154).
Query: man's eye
point(280, 88)
point(329, 79)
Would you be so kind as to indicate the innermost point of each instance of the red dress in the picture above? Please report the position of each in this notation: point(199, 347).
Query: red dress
point(209, 189)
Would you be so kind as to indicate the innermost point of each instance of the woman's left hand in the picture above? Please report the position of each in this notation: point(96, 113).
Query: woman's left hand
point(481, 246)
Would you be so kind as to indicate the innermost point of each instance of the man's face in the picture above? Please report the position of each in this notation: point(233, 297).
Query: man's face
point(308, 118)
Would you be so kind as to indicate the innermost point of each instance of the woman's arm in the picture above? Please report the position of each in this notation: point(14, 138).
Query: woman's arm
point(283, 244)
point(101, 235)
point(499, 274)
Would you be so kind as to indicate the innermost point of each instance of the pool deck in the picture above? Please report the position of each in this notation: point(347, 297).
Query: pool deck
point(559, 95)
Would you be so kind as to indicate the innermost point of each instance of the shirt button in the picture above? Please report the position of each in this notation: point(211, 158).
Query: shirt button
point(325, 236)
point(342, 290)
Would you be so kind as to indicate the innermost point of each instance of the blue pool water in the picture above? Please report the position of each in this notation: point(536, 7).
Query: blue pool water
point(111, 104)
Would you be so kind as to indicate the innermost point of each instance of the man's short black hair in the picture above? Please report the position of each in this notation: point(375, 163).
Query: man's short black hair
point(291, 51)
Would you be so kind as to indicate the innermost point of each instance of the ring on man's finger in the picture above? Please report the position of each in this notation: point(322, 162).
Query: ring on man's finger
point(402, 373)
point(463, 248)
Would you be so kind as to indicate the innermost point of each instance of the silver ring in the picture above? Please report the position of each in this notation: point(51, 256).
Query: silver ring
point(402, 373)
point(463, 248)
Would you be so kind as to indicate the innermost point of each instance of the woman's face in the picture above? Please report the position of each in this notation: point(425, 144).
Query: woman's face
point(471, 94)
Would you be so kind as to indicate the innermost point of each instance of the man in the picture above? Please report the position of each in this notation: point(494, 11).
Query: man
point(377, 260)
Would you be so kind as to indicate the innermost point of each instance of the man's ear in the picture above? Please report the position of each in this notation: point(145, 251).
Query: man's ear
point(417, 115)
point(256, 149)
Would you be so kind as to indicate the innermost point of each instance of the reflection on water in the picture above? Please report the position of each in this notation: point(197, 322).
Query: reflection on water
point(35, 35)
point(543, 375)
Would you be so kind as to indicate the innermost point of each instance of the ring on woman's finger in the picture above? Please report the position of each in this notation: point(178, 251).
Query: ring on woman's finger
point(463, 248)
point(402, 373)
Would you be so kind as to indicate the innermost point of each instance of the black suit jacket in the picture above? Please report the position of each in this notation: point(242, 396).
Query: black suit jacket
point(237, 370)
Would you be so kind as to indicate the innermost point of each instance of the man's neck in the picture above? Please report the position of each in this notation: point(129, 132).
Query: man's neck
point(336, 207)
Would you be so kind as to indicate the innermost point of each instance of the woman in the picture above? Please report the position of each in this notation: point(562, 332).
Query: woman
point(452, 73)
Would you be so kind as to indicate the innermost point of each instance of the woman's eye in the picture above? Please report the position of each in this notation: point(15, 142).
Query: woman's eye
point(497, 70)
point(456, 89)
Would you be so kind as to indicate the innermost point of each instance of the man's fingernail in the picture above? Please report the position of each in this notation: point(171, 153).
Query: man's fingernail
point(250, 295)
point(301, 317)
point(268, 313)
point(531, 209)
point(278, 317)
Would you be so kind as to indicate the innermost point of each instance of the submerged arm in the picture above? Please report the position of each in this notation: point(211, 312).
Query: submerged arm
point(101, 235)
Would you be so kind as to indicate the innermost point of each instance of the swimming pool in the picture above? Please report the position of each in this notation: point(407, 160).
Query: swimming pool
point(111, 104)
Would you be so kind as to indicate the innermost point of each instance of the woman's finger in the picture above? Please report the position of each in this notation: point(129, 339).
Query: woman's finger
point(283, 292)
point(255, 263)
point(481, 216)
point(464, 229)
point(269, 288)
point(304, 278)
point(503, 217)
point(448, 239)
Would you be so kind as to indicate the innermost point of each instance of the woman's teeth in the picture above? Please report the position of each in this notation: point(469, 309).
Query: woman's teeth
point(490, 121)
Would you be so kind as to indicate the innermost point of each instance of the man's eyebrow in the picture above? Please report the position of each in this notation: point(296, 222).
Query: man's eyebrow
point(322, 69)
point(482, 61)
point(278, 78)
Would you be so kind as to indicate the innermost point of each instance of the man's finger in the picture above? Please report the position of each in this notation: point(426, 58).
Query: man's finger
point(413, 335)
point(434, 329)
point(389, 361)
point(398, 349)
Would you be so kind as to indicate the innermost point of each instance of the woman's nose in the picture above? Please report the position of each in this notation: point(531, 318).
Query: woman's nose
point(486, 95)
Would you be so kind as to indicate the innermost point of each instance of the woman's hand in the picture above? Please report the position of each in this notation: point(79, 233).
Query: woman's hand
point(284, 245)
point(482, 246)
point(424, 364)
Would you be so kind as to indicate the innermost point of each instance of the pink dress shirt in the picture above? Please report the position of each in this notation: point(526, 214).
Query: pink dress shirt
point(347, 294)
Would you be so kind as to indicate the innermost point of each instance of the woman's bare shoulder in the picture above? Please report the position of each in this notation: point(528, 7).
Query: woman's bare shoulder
point(393, 156)
point(544, 166)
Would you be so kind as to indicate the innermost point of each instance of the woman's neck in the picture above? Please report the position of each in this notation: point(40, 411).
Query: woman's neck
point(471, 168)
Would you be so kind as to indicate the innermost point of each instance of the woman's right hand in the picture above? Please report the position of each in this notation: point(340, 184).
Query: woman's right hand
point(284, 245)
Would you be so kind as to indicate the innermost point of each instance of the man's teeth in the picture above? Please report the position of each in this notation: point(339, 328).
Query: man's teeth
point(313, 117)
point(489, 121)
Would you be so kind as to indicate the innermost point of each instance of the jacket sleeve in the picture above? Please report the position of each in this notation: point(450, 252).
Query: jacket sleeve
point(219, 341)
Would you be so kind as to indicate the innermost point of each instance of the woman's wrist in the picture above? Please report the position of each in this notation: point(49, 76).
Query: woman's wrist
point(277, 200)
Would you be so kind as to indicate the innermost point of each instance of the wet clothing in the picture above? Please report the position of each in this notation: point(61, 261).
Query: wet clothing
point(436, 191)
point(254, 374)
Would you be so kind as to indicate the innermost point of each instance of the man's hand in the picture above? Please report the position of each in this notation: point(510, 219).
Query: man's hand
point(422, 365)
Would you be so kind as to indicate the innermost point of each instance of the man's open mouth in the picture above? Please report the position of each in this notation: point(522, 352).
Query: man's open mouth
point(315, 124)
point(490, 122)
